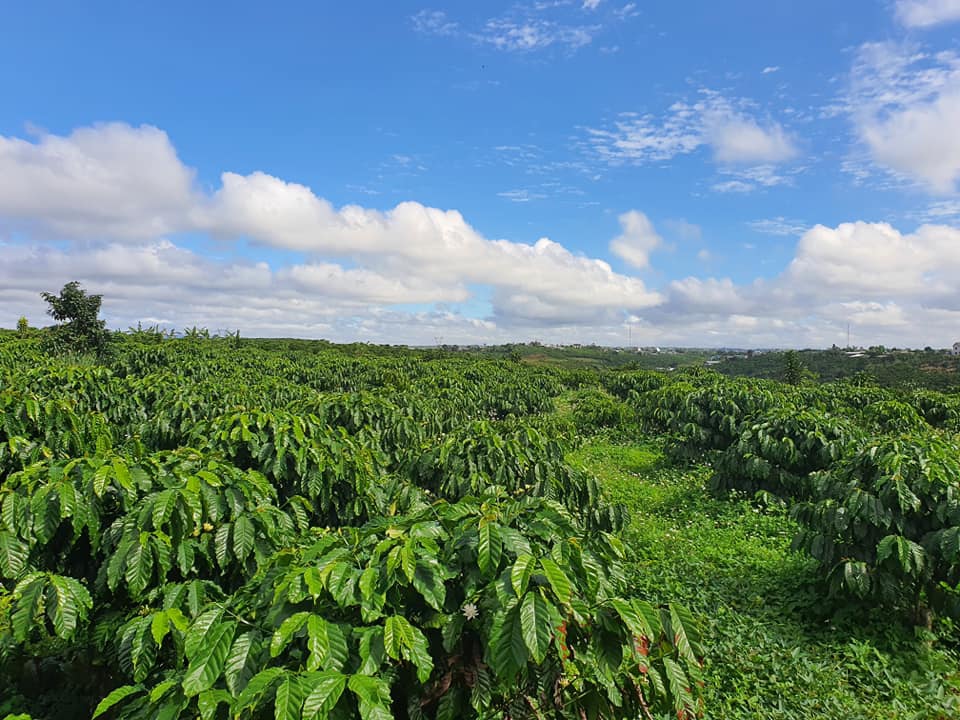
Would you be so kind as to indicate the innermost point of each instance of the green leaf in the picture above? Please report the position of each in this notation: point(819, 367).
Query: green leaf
point(640, 617)
point(679, 687)
point(289, 698)
point(521, 572)
point(143, 652)
point(139, 565)
point(419, 654)
point(910, 556)
point(209, 700)
point(197, 633)
point(372, 652)
point(397, 635)
point(163, 504)
point(121, 693)
point(159, 626)
point(403, 640)
point(680, 638)
point(535, 625)
point(206, 667)
point(286, 631)
point(13, 554)
point(243, 537)
point(258, 686)
point(323, 691)
point(221, 545)
point(122, 473)
point(507, 653)
point(429, 583)
point(71, 603)
point(558, 580)
point(489, 548)
point(162, 689)
point(856, 576)
point(373, 695)
point(327, 645)
point(27, 596)
point(239, 666)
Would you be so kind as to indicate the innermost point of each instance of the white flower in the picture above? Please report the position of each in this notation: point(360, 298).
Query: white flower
point(470, 611)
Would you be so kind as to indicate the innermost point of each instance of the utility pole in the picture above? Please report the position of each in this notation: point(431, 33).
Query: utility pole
point(848, 335)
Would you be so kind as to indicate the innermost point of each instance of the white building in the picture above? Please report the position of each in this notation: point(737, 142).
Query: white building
point(956, 349)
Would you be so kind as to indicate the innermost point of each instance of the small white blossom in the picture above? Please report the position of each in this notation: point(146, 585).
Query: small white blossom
point(470, 611)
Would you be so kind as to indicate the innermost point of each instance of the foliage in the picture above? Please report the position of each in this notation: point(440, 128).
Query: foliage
point(200, 529)
point(773, 648)
point(777, 451)
point(885, 521)
point(82, 329)
point(793, 368)
point(594, 410)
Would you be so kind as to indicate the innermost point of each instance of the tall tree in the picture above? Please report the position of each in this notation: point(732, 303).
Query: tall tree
point(82, 328)
point(793, 368)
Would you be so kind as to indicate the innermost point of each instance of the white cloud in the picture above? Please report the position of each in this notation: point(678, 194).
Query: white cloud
point(521, 195)
point(529, 34)
point(778, 225)
point(727, 127)
point(733, 186)
point(105, 181)
point(627, 11)
point(358, 270)
point(434, 22)
point(874, 261)
point(413, 240)
point(637, 239)
point(523, 28)
point(408, 254)
point(926, 13)
point(938, 211)
point(905, 107)
point(770, 69)
point(920, 141)
point(740, 140)
point(683, 229)
point(895, 288)
point(367, 286)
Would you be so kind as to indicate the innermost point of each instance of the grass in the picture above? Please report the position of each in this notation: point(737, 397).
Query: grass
point(774, 647)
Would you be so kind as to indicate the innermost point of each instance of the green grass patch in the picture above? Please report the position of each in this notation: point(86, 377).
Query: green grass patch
point(773, 646)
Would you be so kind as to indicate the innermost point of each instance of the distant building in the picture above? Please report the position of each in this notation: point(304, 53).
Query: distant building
point(956, 349)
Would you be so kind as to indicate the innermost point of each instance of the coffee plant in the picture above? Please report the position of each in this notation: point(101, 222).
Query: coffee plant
point(196, 529)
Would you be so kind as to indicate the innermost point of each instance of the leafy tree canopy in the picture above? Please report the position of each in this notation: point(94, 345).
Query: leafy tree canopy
point(82, 329)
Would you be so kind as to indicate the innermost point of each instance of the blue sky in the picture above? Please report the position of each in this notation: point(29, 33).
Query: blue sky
point(740, 173)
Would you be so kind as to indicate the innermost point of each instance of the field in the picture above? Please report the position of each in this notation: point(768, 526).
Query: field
point(220, 528)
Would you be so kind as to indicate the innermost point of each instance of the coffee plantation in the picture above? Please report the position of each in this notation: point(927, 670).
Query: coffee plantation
point(215, 528)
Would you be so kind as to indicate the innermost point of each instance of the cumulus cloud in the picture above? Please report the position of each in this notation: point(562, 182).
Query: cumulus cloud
point(408, 254)
point(927, 13)
point(876, 261)
point(413, 273)
point(894, 288)
point(737, 139)
point(109, 180)
point(905, 107)
point(637, 239)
